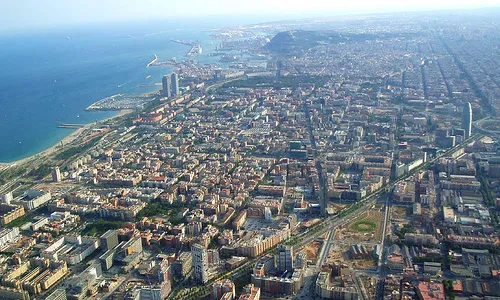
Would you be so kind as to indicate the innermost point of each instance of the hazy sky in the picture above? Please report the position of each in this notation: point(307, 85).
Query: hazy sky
point(36, 13)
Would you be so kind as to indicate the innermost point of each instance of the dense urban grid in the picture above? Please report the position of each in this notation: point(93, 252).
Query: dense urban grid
point(346, 158)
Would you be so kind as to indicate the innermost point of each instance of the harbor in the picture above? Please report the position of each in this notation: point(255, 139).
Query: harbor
point(195, 47)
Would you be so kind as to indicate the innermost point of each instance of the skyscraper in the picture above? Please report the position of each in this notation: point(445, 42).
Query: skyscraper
point(166, 84)
point(467, 119)
point(200, 263)
point(285, 258)
point(56, 175)
point(175, 85)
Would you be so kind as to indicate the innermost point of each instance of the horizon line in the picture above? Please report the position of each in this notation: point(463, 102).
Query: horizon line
point(278, 18)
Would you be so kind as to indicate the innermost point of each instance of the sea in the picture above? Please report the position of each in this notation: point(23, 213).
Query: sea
point(49, 76)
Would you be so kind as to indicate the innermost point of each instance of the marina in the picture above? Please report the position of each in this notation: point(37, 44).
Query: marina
point(120, 102)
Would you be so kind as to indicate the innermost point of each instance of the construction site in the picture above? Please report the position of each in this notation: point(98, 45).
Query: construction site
point(354, 243)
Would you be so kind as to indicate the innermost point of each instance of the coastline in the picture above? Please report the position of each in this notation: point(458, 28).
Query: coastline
point(66, 140)
point(124, 72)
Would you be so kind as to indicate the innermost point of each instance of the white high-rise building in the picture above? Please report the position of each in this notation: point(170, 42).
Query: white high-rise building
point(200, 263)
point(7, 197)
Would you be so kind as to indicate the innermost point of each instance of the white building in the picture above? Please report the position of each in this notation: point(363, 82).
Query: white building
point(6, 198)
point(71, 248)
point(39, 224)
point(8, 235)
point(34, 199)
point(268, 214)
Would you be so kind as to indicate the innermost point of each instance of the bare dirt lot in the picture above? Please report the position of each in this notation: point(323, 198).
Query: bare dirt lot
point(312, 249)
point(363, 230)
point(309, 223)
point(399, 212)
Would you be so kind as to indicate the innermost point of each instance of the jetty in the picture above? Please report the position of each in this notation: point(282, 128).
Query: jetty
point(152, 62)
point(164, 63)
point(183, 42)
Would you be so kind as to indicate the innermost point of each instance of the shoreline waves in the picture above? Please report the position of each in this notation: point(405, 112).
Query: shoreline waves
point(66, 140)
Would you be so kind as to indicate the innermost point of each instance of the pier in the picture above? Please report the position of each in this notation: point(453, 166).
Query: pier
point(187, 43)
point(70, 126)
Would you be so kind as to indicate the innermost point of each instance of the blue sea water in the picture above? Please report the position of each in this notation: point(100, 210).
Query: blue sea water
point(51, 76)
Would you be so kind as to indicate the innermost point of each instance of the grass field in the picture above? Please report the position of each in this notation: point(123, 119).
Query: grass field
point(364, 226)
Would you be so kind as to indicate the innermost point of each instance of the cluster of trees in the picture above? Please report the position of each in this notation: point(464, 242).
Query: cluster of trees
point(350, 210)
point(65, 154)
point(101, 226)
point(486, 192)
point(407, 228)
point(42, 171)
point(448, 289)
point(18, 222)
point(158, 208)
point(11, 173)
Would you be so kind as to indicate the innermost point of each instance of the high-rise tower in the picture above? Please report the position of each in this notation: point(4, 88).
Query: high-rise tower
point(467, 119)
point(56, 174)
point(175, 85)
point(285, 258)
point(200, 263)
point(166, 84)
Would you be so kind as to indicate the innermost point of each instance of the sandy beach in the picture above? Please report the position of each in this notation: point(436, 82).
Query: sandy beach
point(68, 139)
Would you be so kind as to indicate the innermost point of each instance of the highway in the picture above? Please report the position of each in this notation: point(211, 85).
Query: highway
point(383, 235)
point(323, 189)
